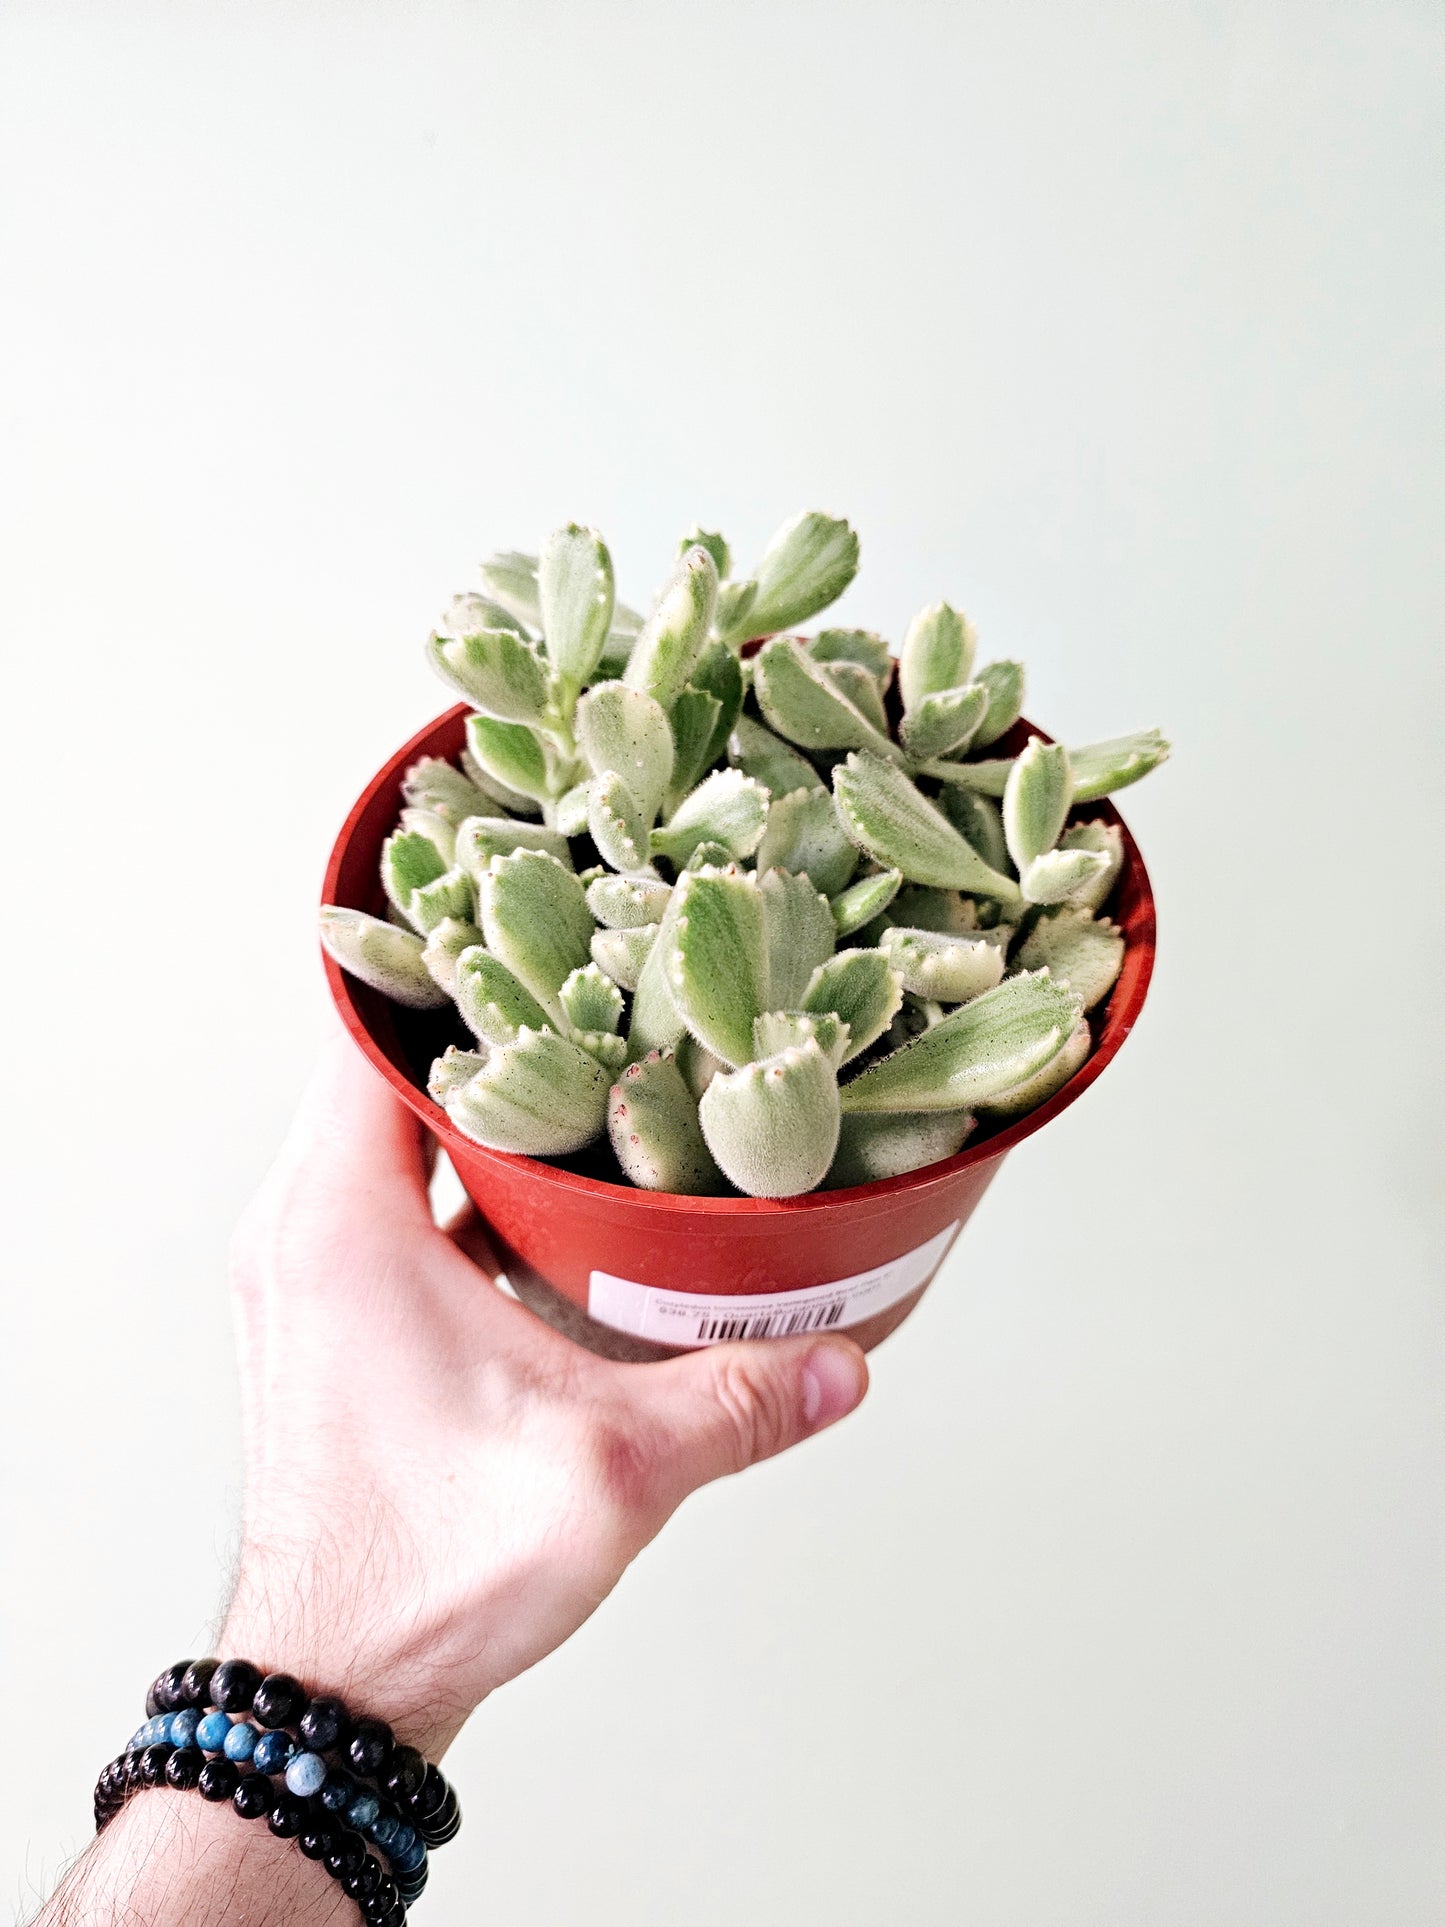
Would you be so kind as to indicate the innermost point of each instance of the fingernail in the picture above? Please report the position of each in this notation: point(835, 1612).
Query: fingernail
point(834, 1380)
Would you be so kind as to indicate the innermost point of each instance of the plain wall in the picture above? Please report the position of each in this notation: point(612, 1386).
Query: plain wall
point(1120, 1603)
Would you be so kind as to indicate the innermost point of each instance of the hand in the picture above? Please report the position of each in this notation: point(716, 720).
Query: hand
point(439, 1488)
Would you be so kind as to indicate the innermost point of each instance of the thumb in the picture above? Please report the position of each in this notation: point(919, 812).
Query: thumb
point(729, 1406)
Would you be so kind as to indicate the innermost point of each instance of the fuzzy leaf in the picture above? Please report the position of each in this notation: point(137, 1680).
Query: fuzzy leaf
point(937, 654)
point(435, 828)
point(1059, 873)
point(1076, 949)
point(801, 701)
point(735, 602)
point(493, 1004)
point(773, 1126)
point(988, 778)
point(408, 861)
point(716, 546)
point(618, 826)
point(693, 720)
point(675, 634)
point(655, 1023)
point(536, 920)
point(979, 822)
point(717, 959)
point(888, 817)
point(697, 1064)
point(541, 1097)
point(569, 812)
point(727, 808)
point(451, 1070)
point(435, 785)
point(1106, 840)
point(808, 564)
point(709, 856)
point(493, 795)
point(917, 907)
point(1102, 768)
point(799, 932)
point(605, 1046)
point(803, 835)
point(480, 838)
point(873, 1147)
point(758, 753)
point(452, 895)
point(444, 945)
point(576, 593)
point(864, 900)
point(780, 1030)
point(947, 970)
point(861, 987)
point(511, 754)
point(622, 730)
point(621, 954)
point(719, 674)
point(944, 722)
point(979, 1050)
point(495, 670)
point(510, 578)
point(1036, 800)
point(380, 954)
point(1026, 1096)
point(652, 1121)
point(590, 1000)
point(1004, 682)
point(854, 645)
point(627, 903)
point(862, 689)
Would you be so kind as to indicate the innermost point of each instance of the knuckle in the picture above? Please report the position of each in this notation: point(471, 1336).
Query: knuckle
point(757, 1409)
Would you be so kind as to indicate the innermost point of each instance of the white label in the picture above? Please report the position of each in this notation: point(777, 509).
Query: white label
point(688, 1318)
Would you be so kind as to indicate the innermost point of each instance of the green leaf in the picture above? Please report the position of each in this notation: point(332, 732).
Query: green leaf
point(495, 670)
point(510, 578)
point(480, 838)
point(709, 856)
point(809, 563)
point(888, 817)
point(693, 719)
point(435, 828)
point(627, 903)
point(381, 955)
point(622, 954)
point(758, 753)
point(434, 785)
point(444, 945)
point(937, 654)
point(1021, 1098)
point(717, 548)
point(864, 900)
point(697, 1064)
point(1103, 839)
point(652, 1121)
point(727, 808)
point(1077, 950)
point(492, 795)
point(979, 823)
point(862, 988)
point(493, 1004)
point(1102, 768)
point(536, 920)
point(622, 730)
point(590, 1000)
point(803, 835)
point(989, 778)
point(569, 812)
point(1060, 873)
point(734, 608)
point(978, 1051)
point(773, 1126)
point(780, 1030)
point(540, 1097)
point(719, 673)
point(717, 960)
point(854, 645)
point(452, 895)
point(1036, 800)
point(451, 1070)
point(576, 593)
point(799, 933)
point(870, 1148)
point(408, 861)
point(801, 701)
point(618, 827)
point(862, 689)
point(946, 970)
point(606, 1046)
point(655, 1023)
point(511, 754)
point(469, 614)
point(944, 722)
point(675, 634)
point(1004, 682)
point(918, 907)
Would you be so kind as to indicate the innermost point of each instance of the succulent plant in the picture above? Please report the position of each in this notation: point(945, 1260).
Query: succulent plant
point(761, 917)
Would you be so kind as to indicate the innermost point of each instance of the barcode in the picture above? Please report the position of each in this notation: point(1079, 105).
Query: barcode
point(771, 1324)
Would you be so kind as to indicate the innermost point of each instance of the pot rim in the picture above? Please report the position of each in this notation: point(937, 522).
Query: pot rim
point(1121, 1013)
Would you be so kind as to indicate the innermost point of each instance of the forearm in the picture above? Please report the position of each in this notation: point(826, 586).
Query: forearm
point(171, 1859)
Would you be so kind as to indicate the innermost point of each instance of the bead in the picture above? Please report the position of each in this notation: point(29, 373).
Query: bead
point(324, 1724)
point(170, 1688)
point(183, 1727)
point(338, 1792)
point(348, 1850)
point(271, 1753)
point(402, 1841)
point(240, 1742)
point(408, 1858)
point(183, 1768)
point(378, 1905)
point(316, 1839)
point(405, 1773)
point(219, 1779)
point(397, 1916)
point(279, 1700)
point(196, 1683)
point(211, 1732)
point(233, 1685)
point(133, 1777)
point(254, 1796)
point(287, 1816)
point(362, 1811)
point(429, 1796)
point(445, 1824)
point(153, 1763)
point(384, 1830)
point(153, 1705)
point(369, 1747)
point(364, 1880)
point(305, 1774)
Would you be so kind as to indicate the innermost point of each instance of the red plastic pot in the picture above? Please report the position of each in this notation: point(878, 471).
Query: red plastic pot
point(641, 1273)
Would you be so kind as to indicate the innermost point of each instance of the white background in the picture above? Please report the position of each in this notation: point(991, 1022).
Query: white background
point(1120, 1602)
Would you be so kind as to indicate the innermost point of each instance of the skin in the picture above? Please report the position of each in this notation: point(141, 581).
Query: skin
point(439, 1488)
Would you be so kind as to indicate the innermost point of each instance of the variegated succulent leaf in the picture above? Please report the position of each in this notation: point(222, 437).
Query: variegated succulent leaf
point(606, 1046)
point(979, 822)
point(590, 1000)
point(773, 1125)
point(873, 1146)
point(944, 969)
point(779, 1030)
point(719, 674)
point(625, 731)
point(862, 689)
point(1057, 874)
point(693, 719)
point(435, 827)
point(382, 955)
point(716, 960)
point(1024, 1097)
point(861, 987)
point(1036, 800)
point(799, 933)
point(653, 1124)
point(513, 755)
point(437, 786)
point(697, 1064)
point(980, 1049)
point(496, 670)
point(468, 614)
point(492, 794)
point(1100, 769)
point(451, 1070)
point(445, 945)
point(806, 566)
point(709, 856)
point(890, 818)
point(493, 1003)
point(540, 1096)
point(675, 634)
point(854, 645)
point(451, 895)
point(1103, 839)
point(715, 544)
point(621, 954)
point(758, 753)
point(655, 1023)
point(801, 700)
point(944, 723)
point(569, 812)
point(510, 579)
point(409, 861)
point(618, 826)
point(627, 903)
point(536, 920)
point(1004, 682)
point(727, 808)
point(732, 620)
point(987, 776)
point(864, 900)
point(937, 654)
point(803, 834)
point(948, 911)
point(1078, 949)
point(480, 838)
point(576, 594)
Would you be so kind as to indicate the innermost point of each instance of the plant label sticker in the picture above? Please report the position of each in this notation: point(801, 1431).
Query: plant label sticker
point(688, 1318)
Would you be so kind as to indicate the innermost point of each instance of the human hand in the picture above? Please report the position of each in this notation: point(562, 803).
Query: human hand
point(439, 1488)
